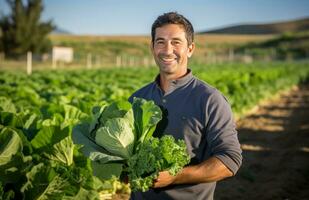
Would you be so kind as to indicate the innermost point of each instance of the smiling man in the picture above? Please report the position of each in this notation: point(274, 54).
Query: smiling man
point(193, 111)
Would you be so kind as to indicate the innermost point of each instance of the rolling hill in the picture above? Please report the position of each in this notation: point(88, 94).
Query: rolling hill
point(298, 25)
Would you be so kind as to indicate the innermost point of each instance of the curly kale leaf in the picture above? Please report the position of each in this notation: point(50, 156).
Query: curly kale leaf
point(153, 156)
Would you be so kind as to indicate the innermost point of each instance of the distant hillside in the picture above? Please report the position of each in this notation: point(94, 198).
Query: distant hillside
point(271, 28)
point(138, 46)
point(60, 31)
point(285, 46)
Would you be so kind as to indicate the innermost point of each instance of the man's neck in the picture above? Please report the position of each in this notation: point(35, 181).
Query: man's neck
point(165, 79)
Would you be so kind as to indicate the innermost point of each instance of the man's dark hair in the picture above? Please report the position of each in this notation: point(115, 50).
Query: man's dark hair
point(173, 18)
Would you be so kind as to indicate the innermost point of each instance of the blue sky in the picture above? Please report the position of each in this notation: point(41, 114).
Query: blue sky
point(134, 17)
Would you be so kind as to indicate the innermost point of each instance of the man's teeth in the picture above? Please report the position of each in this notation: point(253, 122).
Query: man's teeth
point(168, 59)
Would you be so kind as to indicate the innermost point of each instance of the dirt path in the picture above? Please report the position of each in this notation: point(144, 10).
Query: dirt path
point(275, 143)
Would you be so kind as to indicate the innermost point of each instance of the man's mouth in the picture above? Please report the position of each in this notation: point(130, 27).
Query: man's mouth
point(168, 60)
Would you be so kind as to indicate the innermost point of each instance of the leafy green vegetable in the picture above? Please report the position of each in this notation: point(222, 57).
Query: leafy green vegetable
point(13, 162)
point(7, 105)
point(125, 132)
point(11, 144)
point(44, 183)
point(153, 156)
point(107, 171)
point(89, 148)
point(48, 136)
point(62, 151)
point(49, 166)
point(46, 106)
point(117, 136)
point(146, 117)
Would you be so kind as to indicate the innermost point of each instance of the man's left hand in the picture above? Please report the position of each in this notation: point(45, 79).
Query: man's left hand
point(164, 179)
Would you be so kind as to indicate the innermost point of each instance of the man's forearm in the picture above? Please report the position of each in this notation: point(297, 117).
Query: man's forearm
point(208, 171)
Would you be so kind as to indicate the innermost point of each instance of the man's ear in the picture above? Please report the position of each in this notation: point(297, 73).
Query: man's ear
point(190, 49)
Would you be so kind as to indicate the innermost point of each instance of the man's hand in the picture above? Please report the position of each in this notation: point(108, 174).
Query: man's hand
point(208, 171)
point(164, 179)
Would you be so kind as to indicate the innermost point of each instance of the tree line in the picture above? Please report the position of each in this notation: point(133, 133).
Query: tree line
point(22, 29)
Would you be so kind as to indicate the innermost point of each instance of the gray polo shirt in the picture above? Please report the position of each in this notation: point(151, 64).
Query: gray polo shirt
point(201, 115)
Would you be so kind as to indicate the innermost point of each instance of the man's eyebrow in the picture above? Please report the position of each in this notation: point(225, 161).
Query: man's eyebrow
point(161, 38)
point(178, 39)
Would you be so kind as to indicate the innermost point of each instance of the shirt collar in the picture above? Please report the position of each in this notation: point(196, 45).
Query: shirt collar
point(174, 84)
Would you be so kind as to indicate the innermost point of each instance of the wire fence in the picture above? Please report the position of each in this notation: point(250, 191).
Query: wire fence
point(30, 62)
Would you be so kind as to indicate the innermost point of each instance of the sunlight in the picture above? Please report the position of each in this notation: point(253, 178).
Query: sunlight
point(249, 147)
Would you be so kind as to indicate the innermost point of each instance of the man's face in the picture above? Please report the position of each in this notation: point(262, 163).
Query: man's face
point(171, 51)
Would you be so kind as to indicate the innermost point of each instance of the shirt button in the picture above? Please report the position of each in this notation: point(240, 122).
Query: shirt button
point(164, 100)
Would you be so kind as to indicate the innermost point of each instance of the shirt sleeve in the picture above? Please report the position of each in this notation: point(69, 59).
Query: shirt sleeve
point(221, 132)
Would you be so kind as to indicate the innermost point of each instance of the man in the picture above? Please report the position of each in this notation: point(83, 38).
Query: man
point(193, 111)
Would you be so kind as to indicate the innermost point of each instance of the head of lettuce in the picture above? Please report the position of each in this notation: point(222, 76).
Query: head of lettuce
point(119, 140)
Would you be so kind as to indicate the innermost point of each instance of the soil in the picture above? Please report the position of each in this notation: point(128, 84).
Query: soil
point(275, 144)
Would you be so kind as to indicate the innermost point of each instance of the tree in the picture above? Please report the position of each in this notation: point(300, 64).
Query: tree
point(22, 30)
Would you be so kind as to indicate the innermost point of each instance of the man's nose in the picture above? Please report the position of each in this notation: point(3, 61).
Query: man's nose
point(169, 49)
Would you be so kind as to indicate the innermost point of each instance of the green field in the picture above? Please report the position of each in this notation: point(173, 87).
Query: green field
point(38, 114)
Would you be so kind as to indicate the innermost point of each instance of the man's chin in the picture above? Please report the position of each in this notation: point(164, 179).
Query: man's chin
point(167, 69)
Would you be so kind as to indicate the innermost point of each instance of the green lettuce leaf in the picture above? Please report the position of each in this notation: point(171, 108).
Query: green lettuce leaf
point(11, 119)
point(61, 151)
point(146, 117)
point(89, 147)
point(49, 135)
point(72, 116)
point(115, 110)
point(107, 171)
point(55, 143)
point(117, 136)
point(13, 163)
point(10, 145)
point(44, 183)
point(6, 105)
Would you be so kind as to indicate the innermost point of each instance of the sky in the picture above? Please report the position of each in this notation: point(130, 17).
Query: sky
point(135, 17)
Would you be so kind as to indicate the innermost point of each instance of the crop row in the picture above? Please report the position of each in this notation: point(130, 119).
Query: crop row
point(39, 112)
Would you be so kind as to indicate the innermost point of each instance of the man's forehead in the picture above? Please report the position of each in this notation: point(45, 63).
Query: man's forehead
point(170, 30)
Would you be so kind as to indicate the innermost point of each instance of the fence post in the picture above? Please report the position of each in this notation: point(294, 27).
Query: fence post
point(29, 62)
point(89, 61)
point(231, 54)
point(54, 61)
point(131, 61)
point(118, 61)
point(98, 61)
point(145, 61)
point(153, 62)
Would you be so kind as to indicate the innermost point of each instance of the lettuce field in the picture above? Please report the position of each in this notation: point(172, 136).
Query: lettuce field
point(38, 114)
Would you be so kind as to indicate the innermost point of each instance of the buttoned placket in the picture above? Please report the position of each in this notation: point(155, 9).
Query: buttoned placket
point(174, 84)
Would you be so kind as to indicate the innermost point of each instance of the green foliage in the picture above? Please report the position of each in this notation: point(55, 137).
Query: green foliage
point(22, 30)
point(117, 136)
point(113, 129)
point(155, 155)
point(146, 117)
point(40, 113)
point(119, 128)
point(49, 166)
point(126, 132)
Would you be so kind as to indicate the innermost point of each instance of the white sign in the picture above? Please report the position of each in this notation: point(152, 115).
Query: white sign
point(64, 54)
